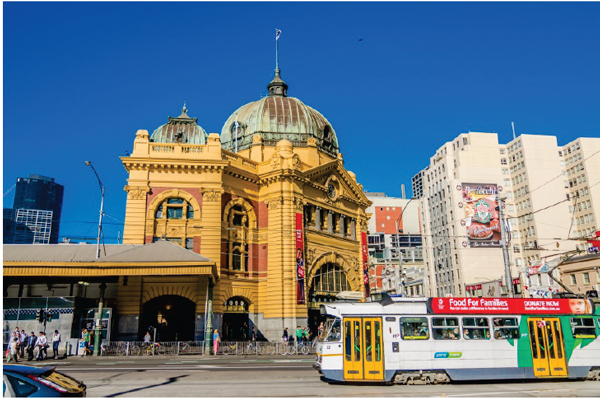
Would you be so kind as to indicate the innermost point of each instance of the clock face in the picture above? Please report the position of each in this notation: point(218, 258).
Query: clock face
point(331, 191)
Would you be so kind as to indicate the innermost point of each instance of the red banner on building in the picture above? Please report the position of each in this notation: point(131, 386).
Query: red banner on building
point(490, 305)
point(365, 255)
point(300, 270)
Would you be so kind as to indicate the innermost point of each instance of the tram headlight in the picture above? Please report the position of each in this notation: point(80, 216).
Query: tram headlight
point(322, 310)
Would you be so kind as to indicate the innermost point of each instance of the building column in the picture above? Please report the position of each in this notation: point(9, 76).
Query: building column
point(353, 228)
point(330, 221)
point(208, 315)
point(317, 218)
point(342, 225)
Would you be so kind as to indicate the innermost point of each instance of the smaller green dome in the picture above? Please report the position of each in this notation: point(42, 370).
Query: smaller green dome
point(182, 129)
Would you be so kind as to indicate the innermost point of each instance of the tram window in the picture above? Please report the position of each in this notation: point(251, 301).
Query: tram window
point(506, 328)
point(476, 329)
point(348, 340)
point(583, 328)
point(445, 328)
point(368, 342)
point(414, 328)
point(332, 330)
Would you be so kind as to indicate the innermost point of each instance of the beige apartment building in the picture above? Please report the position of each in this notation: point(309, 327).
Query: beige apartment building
point(539, 181)
point(582, 166)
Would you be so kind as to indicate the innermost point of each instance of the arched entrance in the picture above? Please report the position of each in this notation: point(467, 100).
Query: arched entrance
point(236, 322)
point(327, 282)
point(172, 316)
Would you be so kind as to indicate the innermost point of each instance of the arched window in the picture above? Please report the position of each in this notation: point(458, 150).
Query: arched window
point(330, 279)
point(237, 253)
point(175, 209)
point(171, 216)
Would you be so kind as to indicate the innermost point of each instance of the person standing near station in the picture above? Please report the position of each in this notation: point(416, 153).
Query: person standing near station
point(216, 341)
point(285, 335)
point(298, 334)
point(55, 344)
point(23, 343)
point(13, 347)
point(31, 343)
point(42, 343)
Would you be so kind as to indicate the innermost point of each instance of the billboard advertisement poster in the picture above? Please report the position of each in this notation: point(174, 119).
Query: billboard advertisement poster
point(489, 305)
point(300, 270)
point(481, 217)
point(365, 258)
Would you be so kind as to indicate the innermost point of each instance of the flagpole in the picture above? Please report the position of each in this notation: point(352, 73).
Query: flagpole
point(276, 52)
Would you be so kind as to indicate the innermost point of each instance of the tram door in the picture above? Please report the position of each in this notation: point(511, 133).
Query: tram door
point(363, 349)
point(547, 347)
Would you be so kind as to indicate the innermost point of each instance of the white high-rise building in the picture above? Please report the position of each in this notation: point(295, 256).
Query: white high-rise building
point(461, 230)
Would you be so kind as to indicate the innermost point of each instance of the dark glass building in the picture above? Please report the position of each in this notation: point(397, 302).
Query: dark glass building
point(36, 193)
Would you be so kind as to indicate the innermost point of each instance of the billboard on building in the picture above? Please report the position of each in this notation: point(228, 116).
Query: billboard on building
point(300, 270)
point(365, 255)
point(481, 217)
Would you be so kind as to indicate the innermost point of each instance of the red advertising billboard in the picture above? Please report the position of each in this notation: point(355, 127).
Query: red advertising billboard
point(493, 305)
point(365, 257)
point(300, 270)
point(481, 216)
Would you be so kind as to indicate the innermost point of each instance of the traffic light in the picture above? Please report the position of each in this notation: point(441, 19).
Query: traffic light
point(40, 315)
point(48, 317)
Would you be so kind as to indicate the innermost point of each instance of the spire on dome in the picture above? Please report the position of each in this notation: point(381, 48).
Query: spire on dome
point(184, 112)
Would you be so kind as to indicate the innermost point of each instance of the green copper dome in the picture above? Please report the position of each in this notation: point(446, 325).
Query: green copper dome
point(278, 117)
point(182, 129)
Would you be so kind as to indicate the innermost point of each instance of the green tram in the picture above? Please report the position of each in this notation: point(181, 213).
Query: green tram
point(438, 340)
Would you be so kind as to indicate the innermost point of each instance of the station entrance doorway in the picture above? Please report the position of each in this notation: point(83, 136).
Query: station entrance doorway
point(172, 316)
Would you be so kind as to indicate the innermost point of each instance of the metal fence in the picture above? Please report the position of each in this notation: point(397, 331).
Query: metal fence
point(139, 348)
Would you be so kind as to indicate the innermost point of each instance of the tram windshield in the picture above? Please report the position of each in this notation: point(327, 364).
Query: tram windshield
point(332, 330)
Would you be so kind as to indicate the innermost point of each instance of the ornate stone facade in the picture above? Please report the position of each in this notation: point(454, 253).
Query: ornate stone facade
point(240, 210)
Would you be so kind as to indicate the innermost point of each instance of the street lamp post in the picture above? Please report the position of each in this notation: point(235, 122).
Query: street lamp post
point(97, 339)
point(101, 209)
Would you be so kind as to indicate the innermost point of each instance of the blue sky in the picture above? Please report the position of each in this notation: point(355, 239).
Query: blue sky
point(81, 78)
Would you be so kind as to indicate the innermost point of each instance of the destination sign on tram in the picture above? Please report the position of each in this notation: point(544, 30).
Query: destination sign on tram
point(494, 305)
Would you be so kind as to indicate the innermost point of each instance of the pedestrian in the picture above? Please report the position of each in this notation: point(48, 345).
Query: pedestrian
point(23, 342)
point(13, 347)
point(216, 341)
point(253, 336)
point(147, 339)
point(31, 344)
point(305, 334)
point(298, 334)
point(91, 341)
point(285, 335)
point(321, 327)
point(42, 343)
point(55, 344)
point(86, 340)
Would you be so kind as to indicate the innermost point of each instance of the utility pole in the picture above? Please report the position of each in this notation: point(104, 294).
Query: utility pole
point(503, 243)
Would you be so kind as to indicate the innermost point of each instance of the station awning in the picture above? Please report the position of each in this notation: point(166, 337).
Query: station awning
point(68, 260)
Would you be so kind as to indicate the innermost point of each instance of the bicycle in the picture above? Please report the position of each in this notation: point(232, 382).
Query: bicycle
point(229, 348)
point(185, 348)
point(299, 348)
point(154, 348)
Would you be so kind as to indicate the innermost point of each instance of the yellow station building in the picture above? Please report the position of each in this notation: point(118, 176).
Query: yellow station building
point(277, 224)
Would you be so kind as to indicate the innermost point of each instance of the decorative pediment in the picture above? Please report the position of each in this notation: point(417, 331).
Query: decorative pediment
point(336, 183)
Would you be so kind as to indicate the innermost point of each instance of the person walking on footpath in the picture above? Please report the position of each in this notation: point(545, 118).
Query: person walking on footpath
point(13, 347)
point(216, 341)
point(147, 339)
point(42, 343)
point(55, 344)
point(31, 344)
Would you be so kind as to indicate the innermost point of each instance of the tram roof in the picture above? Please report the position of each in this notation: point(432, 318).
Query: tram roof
point(372, 308)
